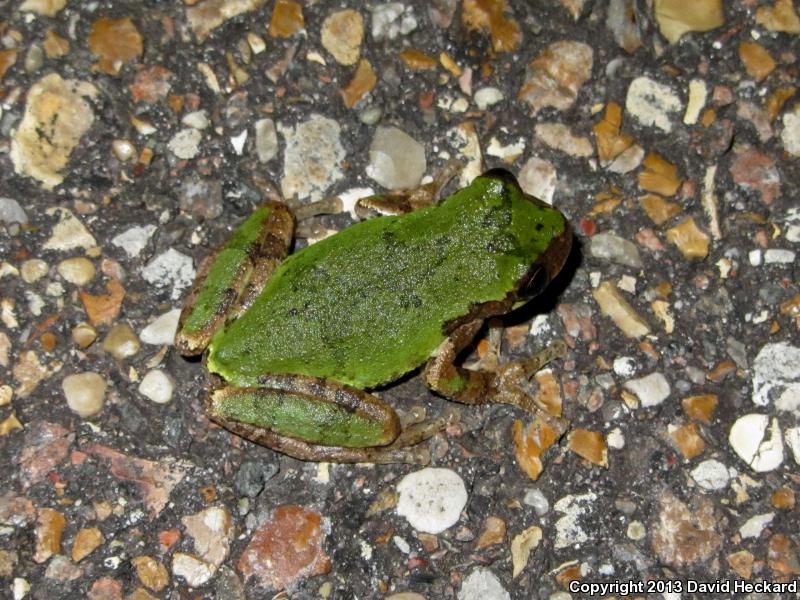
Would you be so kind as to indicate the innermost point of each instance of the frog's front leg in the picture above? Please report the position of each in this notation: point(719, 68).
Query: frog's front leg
point(398, 203)
point(505, 385)
point(231, 278)
point(315, 419)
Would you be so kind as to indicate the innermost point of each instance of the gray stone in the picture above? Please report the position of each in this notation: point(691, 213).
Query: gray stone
point(396, 160)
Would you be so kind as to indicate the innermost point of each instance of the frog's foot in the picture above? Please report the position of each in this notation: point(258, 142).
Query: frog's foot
point(315, 419)
point(398, 203)
point(506, 385)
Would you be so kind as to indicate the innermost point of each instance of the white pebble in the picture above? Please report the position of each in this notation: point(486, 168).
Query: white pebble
point(793, 441)
point(755, 257)
point(712, 475)
point(625, 366)
point(482, 584)
point(161, 332)
point(651, 389)
point(197, 119)
point(157, 386)
point(487, 96)
point(185, 144)
point(778, 256)
point(431, 499)
point(615, 439)
point(85, 393)
point(755, 525)
point(652, 103)
point(776, 377)
point(747, 438)
point(134, 240)
point(123, 150)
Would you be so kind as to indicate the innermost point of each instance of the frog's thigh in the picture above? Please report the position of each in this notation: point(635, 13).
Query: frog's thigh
point(234, 274)
point(316, 419)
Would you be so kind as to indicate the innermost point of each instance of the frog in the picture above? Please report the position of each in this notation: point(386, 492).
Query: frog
point(300, 344)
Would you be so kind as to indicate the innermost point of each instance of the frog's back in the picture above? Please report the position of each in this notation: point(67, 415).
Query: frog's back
point(370, 303)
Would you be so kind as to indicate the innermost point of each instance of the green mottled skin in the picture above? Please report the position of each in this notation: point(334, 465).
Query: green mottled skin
point(223, 273)
point(370, 303)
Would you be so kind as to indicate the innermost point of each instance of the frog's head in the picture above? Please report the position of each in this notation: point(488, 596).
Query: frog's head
point(544, 231)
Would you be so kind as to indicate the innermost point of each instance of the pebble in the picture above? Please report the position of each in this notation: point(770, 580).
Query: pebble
point(748, 439)
point(312, 158)
point(32, 270)
point(20, 588)
point(211, 531)
point(121, 341)
point(559, 137)
point(636, 530)
point(698, 94)
point(190, 568)
point(535, 498)
point(486, 97)
point(77, 270)
point(431, 499)
point(197, 119)
point(134, 240)
point(675, 17)
point(342, 34)
point(396, 160)
point(85, 393)
point(170, 269)
point(392, 19)
point(69, 233)
point(161, 332)
point(651, 389)
point(538, 178)
point(753, 527)
point(556, 75)
point(12, 212)
point(779, 256)
point(793, 441)
point(569, 531)
point(482, 584)
point(157, 386)
point(61, 568)
point(611, 247)
point(776, 377)
point(201, 197)
point(652, 103)
point(57, 114)
point(186, 143)
point(266, 140)
point(87, 540)
point(252, 476)
point(124, 150)
point(622, 23)
point(790, 136)
point(612, 304)
point(83, 335)
point(152, 574)
point(712, 475)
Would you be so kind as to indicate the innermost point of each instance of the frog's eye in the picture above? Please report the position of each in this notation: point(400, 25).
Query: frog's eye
point(535, 282)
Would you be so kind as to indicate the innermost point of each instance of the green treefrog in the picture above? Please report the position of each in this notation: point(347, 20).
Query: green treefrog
point(296, 342)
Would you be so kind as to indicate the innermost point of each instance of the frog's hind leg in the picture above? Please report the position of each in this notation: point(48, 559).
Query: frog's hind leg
point(229, 280)
point(505, 385)
point(315, 419)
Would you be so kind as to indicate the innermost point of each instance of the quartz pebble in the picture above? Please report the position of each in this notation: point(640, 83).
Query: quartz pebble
point(482, 584)
point(712, 475)
point(266, 140)
point(186, 143)
point(431, 499)
point(790, 136)
point(77, 271)
point(616, 249)
point(392, 19)
point(170, 269)
point(161, 332)
point(83, 335)
point(776, 377)
point(538, 178)
point(652, 103)
point(33, 270)
point(85, 393)
point(486, 97)
point(134, 240)
point(121, 341)
point(157, 386)
point(748, 439)
point(755, 525)
point(396, 160)
point(651, 389)
point(11, 211)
